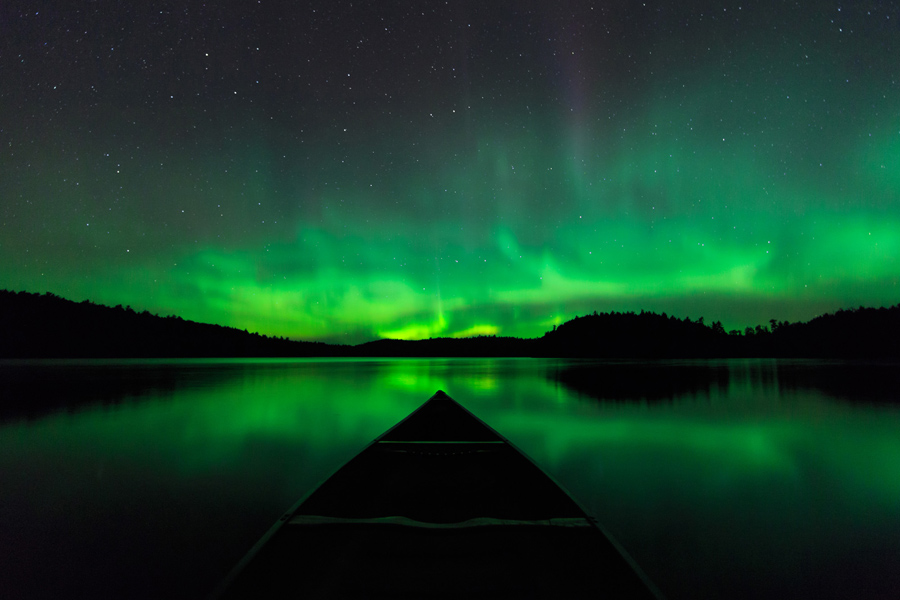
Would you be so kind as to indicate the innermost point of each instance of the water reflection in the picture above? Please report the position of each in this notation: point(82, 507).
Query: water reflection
point(724, 479)
point(669, 380)
point(641, 381)
point(35, 388)
point(877, 382)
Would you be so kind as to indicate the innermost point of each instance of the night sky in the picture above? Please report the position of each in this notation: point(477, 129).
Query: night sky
point(345, 171)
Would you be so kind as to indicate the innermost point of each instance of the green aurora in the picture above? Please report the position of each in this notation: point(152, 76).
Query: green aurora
point(495, 184)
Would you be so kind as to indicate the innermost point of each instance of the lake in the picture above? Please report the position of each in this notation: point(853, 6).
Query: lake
point(732, 478)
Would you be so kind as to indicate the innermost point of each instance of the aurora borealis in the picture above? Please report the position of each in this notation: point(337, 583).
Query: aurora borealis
point(345, 171)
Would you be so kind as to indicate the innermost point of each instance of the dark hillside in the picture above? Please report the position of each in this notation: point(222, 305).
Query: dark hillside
point(644, 335)
point(855, 333)
point(47, 326)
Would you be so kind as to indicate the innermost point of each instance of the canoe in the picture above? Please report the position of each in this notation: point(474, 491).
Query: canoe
point(439, 506)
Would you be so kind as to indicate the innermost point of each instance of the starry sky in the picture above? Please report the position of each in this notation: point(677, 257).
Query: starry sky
point(345, 171)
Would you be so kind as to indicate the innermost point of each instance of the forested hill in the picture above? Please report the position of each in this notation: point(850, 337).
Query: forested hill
point(47, 326)
point(855, 333)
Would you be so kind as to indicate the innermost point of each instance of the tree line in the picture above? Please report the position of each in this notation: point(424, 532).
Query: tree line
point(853, 333)
point(48, 326)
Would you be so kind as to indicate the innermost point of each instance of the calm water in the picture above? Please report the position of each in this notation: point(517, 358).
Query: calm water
point(750, 479)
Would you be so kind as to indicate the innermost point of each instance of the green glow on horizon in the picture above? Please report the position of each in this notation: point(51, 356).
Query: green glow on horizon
point(476, 330)
point(508, 287)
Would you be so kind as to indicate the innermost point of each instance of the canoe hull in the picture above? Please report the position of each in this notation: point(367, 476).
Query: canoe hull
point(441, 505)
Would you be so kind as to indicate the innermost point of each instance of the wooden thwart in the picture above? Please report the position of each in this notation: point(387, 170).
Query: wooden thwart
point(405, 522)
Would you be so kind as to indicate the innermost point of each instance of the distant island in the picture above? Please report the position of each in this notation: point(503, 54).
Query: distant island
point(48, 326)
